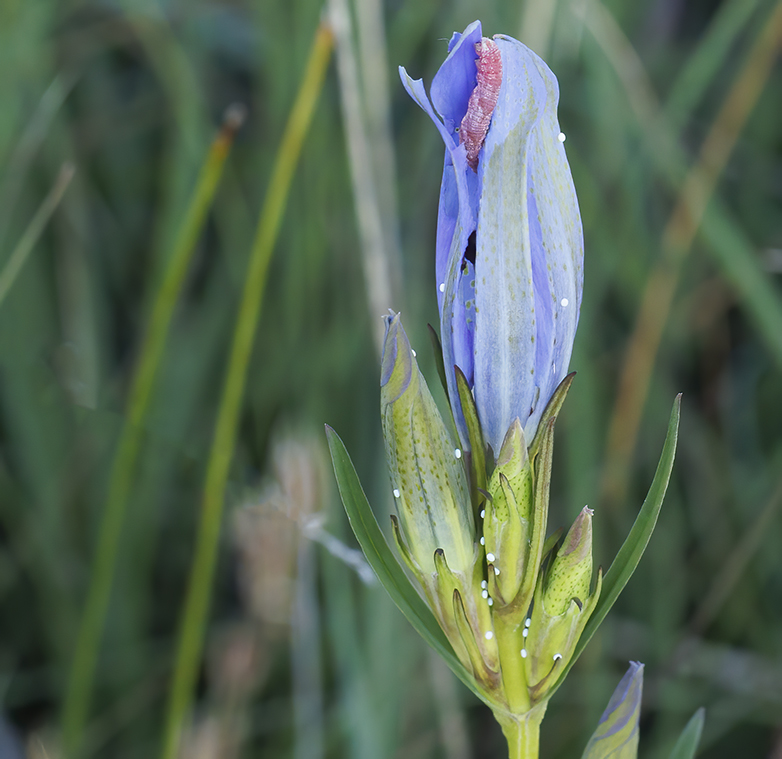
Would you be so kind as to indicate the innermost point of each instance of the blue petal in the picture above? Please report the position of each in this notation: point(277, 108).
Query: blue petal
point(464, 325)
point(457, 219)
point(456, 78)
point(529, 251)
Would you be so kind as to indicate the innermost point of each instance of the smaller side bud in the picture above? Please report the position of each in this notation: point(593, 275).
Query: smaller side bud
point(562, 607)
point(513, 462)
point(506, 524)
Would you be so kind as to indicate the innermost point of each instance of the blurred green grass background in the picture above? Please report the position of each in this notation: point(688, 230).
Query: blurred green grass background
point(671, 111)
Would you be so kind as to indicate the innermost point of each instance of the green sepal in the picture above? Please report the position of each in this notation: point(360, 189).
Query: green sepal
point(557, 634)
point(541, 471)
point(477, 444)
point(687, 744)
point(551, 543)
point(481, 670)
point(438, 358)
point(403, 550)
point(380, 557)
point(626, 561)
point(444, 585)
point(550, 412)
point(506, 534)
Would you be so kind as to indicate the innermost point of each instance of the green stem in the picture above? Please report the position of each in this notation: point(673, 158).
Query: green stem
point(34, 230)
point(523, 732)
point(85, 656)
point(196, 608)
point(509, 643)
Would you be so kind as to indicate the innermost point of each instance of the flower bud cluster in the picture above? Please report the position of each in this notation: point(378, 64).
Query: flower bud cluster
point(512, 612)
point(472, 510)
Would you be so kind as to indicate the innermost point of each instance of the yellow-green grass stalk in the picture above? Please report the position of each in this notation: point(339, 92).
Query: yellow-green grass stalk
point(80, 683)
point(196, 608)
point(694, 195)
point(34, 230)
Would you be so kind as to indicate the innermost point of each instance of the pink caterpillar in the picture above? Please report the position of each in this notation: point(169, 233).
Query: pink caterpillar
point(483, 100)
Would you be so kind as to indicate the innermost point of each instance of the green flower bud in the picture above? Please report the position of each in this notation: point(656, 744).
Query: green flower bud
point(435, 531)
point(561, 608)
point(427, 474)
point(571, 571)
point(506, 524)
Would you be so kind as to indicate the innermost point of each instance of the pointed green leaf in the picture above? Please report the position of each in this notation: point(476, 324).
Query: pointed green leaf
point(391, 575)
point(687, 744)
point(626, 561)
point(438, 357)
point(478, 447)
point(550, 412)
point(616, 736)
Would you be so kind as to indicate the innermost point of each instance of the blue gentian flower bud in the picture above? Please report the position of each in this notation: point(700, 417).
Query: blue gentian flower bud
point(617, 733)
point(509, 239)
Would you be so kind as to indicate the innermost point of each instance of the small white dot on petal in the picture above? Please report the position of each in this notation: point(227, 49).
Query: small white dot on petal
point(491, 602)
point(490, 557)
point(525, 632)
point(523, 653)
point(396, 493)
point(564, 302)
point(442, 287)
point(496, 570)
point(527, 622)
point(484, 584)
point(483, 541)
point(561, 136)
point(413, 352)
point(489, 635)
point(457, 453)
point(557, 657)
point(483, 513)
point(485, 594)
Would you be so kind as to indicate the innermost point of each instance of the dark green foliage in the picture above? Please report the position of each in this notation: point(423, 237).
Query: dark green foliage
point(131, 93)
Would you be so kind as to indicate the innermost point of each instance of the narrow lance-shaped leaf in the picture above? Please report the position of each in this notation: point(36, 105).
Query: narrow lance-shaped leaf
point(687, 744)
point(626, 561)
point(375, 547)
point(475, 435)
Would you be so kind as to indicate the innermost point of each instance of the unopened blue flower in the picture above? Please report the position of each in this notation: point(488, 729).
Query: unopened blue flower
point(509, 258)
point(617, 732)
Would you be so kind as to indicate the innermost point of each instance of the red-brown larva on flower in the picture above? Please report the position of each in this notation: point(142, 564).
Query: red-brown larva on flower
point(483, 100)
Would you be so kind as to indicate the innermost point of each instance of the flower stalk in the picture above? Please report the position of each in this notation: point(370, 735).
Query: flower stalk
point(523, 733)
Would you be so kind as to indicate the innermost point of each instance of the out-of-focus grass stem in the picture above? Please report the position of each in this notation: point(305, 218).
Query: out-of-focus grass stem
point(684, 222)
point(724, 583)
point(451, 716)
point(537, 24)
point(377, 118)
point(195, 612)
point(34, 230)
point(80, 683)
point(306, 665)
point(694, 79)
point(32, 137)
point(378, 273)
